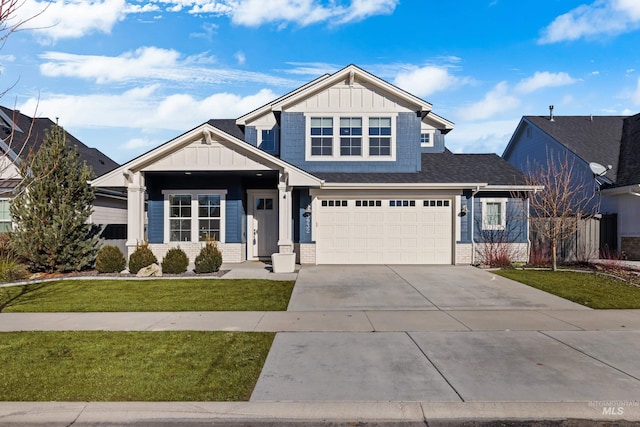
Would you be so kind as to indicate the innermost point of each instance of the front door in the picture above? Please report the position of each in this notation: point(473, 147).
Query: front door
point(263, 223)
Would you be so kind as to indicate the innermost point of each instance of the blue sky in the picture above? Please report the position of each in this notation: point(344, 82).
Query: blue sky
point(127, 75)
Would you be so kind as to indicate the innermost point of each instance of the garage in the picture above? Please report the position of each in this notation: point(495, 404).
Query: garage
point(384, 231)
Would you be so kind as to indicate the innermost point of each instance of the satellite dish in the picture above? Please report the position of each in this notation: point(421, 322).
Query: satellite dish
point(598, 169)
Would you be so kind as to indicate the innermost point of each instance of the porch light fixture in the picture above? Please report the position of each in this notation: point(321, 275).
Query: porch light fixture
point(463, 210)
point(258, 174)
point(307, 211)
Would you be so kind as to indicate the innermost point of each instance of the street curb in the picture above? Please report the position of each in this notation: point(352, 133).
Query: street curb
point(335, 413)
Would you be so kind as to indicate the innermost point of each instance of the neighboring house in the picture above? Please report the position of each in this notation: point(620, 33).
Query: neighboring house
point(21, 134)
point(347, 169)
point(611, 141)
point(622, 197)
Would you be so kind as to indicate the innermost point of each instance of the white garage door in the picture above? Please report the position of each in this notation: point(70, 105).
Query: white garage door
point(384, 231)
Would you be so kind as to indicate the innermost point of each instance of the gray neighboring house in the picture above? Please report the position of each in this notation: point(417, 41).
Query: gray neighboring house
point(611, 141)
point(21, 134)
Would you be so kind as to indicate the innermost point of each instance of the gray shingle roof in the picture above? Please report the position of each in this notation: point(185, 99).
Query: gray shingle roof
point(32, 135)
point(629, 167)
point(592, 138)
point(441, 168)
point(229, 126)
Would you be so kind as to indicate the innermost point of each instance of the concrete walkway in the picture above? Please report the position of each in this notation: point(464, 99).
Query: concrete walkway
point(498, 351)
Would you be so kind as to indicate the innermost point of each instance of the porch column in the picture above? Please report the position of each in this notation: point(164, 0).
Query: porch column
point(135, 209)
point(285, 260)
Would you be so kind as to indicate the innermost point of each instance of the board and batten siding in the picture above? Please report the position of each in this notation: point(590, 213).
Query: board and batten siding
point(201, 156)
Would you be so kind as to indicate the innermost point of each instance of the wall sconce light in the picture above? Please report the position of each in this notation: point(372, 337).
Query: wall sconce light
point(463, 210)
point(307, 211)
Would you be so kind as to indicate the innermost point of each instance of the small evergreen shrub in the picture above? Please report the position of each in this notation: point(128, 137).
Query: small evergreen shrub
point(175, 261)
point(209, 259)
point(141, 257)
point(110, 259)
point(11, 269)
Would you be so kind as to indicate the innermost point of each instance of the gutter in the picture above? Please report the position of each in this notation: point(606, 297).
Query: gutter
point(628, 189)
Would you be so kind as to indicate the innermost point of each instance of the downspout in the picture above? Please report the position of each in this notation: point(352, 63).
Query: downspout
point(473, 218)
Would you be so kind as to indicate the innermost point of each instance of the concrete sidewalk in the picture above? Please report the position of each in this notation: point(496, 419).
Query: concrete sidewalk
point(330, 321)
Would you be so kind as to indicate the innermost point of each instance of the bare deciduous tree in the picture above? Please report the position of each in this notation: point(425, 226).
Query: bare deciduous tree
point(566, 199)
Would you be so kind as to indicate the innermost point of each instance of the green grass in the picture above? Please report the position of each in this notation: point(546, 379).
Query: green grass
point(130, 366)
point(148, 295)
point(591, 290)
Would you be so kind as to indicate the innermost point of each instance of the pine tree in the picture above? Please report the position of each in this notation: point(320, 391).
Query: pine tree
point(52, 207)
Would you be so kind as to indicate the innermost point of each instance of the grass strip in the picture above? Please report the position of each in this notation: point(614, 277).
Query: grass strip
point(131, 366)
point(591, 290)
point(148, 295)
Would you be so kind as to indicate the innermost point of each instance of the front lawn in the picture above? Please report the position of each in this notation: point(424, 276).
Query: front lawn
point(591, 290)
point(131, 366)
point(148, 295)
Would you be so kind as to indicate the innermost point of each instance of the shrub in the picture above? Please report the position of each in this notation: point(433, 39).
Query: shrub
point(110, 259)
point(141, 257)
point(209, 259)
point(175, 261)
point(10, 270)
point(6, 249)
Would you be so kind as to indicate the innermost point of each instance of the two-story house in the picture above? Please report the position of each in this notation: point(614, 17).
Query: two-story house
point(347, 169)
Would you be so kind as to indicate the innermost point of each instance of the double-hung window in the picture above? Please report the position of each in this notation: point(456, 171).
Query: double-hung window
point(494, 214)
point(208, 217)
point(5, 216)
point(380, 136)
point(194, 216)
point(350, 136)
point(321, 136)
point(180, 218)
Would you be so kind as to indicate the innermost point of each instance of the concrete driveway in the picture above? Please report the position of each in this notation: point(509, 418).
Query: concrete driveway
point(381, 287)
point(447, 334)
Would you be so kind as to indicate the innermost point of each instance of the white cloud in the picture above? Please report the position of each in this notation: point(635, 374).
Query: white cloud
point(137, 143)
point(240, 57)
point(481, 137)
point(635, 95)
point(602, 17)
point(60, 19)
point(253, 13)
point(142, 108)
point(150, 63)
point(542, 80)
point(426, 80)
point(496, 101)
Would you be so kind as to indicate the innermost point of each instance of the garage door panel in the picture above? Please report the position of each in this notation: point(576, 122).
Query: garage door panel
point(385, 231)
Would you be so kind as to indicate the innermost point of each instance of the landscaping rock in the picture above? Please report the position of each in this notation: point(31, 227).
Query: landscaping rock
point(152, 270)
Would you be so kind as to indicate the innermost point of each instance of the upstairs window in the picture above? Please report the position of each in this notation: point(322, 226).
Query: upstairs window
point(425, 139)
point(321, 136)
point(350, 136)
point(268, 140)
point(380, 136)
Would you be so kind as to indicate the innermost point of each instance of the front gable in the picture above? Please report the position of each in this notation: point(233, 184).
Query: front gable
point(212, 155)
point(205, 148)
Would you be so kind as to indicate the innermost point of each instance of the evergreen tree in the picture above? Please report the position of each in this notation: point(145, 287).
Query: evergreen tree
point(52, 207)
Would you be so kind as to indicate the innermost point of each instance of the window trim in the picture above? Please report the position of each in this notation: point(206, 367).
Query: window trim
point(195, 219)
point(503, 213)
point(365, 155)
point(10, 219)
